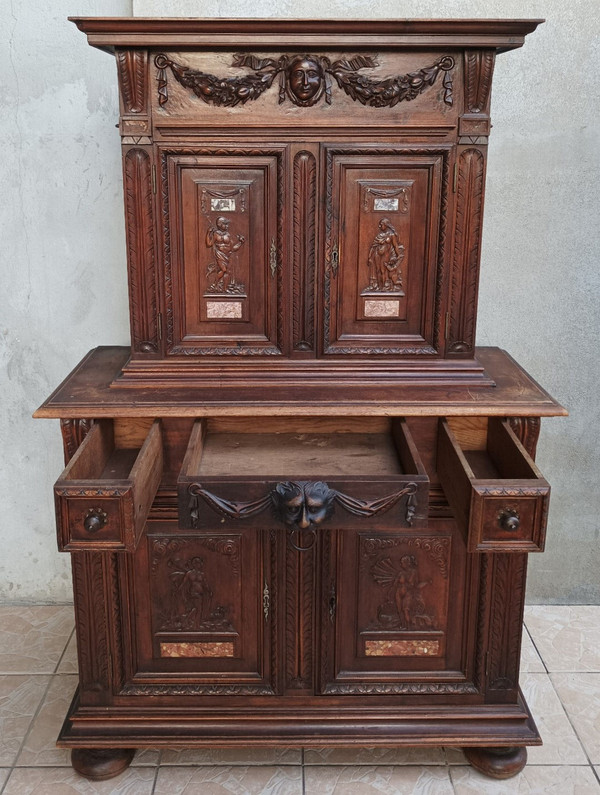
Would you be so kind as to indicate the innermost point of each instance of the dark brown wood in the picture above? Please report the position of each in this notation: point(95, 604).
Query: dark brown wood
point(299, 505)
point(498, 762)
point(99, 764)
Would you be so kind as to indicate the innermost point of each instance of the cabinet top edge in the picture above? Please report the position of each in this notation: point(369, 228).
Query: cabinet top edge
point(109, 32)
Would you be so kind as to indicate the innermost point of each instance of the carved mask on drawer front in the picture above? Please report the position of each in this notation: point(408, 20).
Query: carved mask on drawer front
point(303, 503)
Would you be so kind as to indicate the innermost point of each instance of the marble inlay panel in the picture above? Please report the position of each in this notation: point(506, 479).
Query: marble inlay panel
point(401, 648)
point(580, 695)
point(251, 780)
point(567, 637)
point(216, 649)
point(32, 639)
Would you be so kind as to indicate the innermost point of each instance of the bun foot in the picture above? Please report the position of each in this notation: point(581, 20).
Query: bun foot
point(98, 764)
point(498, 762)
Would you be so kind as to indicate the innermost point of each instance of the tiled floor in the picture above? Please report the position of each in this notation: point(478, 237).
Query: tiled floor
point(561, 681)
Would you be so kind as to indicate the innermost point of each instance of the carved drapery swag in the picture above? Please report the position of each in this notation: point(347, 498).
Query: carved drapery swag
point(304, 80)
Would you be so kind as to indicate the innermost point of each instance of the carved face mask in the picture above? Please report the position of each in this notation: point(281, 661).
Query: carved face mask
point(305, 81)
point(303, 504)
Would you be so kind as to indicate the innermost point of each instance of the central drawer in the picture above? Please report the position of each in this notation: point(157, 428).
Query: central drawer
point(302, 479)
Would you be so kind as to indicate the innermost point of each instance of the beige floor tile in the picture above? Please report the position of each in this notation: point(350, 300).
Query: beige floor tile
point(32, 639)
point(567, 638)
point(533, 780)
point(40, 748)
point(580, 695)
point(377, 780)
point(64, 781)
point(146, 757)
point(68, 664)
point(374, 756)
point(455, 756)
point(20, 697)
point(230, 780)
point(4, 774)
point(561, 746)
point(531, 662)
point(231, 756)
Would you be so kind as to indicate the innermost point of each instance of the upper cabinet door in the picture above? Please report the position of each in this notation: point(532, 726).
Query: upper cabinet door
point(222, 251)
point(385, 238)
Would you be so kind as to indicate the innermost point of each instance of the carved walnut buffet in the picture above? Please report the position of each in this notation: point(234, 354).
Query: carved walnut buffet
point(299, 508)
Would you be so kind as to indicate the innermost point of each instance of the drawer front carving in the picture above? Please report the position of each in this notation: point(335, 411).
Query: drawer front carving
point(497, 492)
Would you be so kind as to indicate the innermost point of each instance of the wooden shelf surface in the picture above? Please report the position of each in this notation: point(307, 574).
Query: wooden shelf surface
point(87, 393)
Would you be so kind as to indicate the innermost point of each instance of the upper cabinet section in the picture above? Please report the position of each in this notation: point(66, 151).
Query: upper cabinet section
point(304, 196)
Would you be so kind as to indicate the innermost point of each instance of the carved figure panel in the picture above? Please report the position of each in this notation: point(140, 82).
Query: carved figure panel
point(304, 79)
point(386, 254)
point(223, 244)
point(405, 606)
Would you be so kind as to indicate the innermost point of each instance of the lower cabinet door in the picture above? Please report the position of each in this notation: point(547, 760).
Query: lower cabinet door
point(394, 611)
point(206, 611)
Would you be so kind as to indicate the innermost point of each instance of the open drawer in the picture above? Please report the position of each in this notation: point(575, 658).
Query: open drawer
point(105, 493)
point(496, 491)
point(302, 479)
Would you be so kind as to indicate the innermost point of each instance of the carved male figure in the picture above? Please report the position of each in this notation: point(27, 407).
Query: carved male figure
point(221, 241)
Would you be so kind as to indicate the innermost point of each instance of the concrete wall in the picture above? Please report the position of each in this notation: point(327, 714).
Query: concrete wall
point(64, 259)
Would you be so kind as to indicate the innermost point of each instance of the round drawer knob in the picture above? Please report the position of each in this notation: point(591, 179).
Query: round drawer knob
point(509, 519)
point(95, 519)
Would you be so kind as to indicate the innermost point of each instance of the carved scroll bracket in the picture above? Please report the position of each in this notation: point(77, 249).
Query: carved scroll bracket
point(132, 69)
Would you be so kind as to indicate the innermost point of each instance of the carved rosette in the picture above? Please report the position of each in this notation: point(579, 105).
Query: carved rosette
point(141, 251)
point(465, 261)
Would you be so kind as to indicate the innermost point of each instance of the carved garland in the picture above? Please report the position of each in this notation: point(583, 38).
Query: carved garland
point(304, 80)
point(301, 503)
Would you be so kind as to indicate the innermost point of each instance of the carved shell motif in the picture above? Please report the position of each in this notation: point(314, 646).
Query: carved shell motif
point(304, 80)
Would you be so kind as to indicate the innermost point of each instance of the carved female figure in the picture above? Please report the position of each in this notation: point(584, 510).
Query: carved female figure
point(305, 80)
point(221, 241)
point(385, 255)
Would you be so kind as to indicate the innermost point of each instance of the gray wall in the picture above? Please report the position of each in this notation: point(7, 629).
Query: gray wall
point(63, 255)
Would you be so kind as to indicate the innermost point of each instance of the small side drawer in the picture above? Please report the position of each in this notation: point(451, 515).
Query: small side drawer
point(302, 479)
point(104, 495)
point(498, 495)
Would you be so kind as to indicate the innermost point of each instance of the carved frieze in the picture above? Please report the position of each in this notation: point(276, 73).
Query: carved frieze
point(304, 80)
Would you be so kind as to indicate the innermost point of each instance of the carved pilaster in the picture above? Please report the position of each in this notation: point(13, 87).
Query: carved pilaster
point(141, 251)
point(91, 573)
point(465, 260)
point(73, 434)
point(305, 185)
point(507, 599)
point(527, 430)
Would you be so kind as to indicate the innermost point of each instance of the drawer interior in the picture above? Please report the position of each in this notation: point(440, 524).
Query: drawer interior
point(309, 452)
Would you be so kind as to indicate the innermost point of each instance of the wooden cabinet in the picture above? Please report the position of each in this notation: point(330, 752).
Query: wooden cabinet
point(299, 506)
